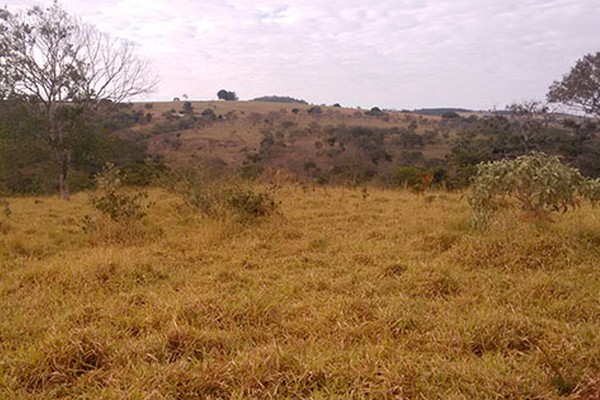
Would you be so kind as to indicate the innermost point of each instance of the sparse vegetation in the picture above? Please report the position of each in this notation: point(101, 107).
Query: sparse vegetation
point(272, 249)
point(322, 301)
point(280, 99)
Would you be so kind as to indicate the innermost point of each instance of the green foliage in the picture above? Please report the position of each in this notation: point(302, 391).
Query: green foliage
point(538, 183)
point(406, 176)
point(580, 88)
point(226, 95)
point(112, 200)
point(280, 99)
point(217, 195)
point(249, 203)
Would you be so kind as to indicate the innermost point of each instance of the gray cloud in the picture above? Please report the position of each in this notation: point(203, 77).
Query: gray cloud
point(393, 53)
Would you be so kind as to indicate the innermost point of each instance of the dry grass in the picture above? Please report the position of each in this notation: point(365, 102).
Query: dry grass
point(342, 296)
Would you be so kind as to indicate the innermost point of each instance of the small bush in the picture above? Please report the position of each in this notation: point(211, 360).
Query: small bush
point(539, 183)
point(219, 197)
point(113, 201)
point(249, 203)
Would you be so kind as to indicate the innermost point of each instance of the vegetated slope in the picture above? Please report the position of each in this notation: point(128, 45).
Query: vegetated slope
point(308, 141)
point(338, 145)
point(346, 294)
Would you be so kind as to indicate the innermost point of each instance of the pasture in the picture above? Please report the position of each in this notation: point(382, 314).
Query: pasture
point(344, 293)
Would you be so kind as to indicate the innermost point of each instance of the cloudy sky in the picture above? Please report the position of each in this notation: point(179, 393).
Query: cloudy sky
point(391, 53)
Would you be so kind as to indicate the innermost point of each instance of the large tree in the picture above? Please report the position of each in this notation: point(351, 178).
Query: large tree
point(580, 88)
point(63, 68)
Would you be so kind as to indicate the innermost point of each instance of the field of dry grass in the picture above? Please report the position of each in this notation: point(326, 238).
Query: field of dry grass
point(344, 294)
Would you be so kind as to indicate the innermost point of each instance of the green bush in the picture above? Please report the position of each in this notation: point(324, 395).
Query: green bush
point(538, 183)
point(248, 203)
point(218, 196)
point(112, 200)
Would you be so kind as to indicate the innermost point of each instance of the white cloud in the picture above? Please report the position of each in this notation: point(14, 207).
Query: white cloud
point(393, 53)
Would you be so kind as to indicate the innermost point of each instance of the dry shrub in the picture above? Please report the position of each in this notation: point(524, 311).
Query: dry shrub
point(63, 361)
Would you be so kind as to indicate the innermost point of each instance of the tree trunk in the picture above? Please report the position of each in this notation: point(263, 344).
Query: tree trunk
point(64, 177)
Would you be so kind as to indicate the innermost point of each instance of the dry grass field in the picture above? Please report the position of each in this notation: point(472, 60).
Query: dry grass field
point(344, 294)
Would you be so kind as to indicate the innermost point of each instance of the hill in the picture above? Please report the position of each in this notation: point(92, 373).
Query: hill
point(340, 145)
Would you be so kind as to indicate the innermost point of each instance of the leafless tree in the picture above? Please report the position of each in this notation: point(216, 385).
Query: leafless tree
point(53, 61)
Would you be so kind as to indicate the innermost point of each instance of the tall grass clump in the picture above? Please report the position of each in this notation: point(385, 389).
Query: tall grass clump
point(537, 183)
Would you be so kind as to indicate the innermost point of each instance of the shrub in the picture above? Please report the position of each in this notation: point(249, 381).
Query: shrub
point(113, 201)
point(407, 176)
point(248, 203)
point(538, 182)
point(221, 197)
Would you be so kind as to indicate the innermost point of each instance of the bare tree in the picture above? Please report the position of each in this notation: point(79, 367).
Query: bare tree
point(54, 62)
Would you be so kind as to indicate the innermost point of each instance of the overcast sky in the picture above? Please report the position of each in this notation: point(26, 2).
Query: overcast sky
point(390, 53)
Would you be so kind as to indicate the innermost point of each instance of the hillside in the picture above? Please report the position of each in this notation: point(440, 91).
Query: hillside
point(296, 137)
point(340, 145)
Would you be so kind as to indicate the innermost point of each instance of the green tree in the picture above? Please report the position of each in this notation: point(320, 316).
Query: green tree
point(226, 95)
point(580, 88)
point(61, 68)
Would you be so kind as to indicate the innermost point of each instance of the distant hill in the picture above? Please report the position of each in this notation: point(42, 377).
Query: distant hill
point(440, 111)
point(280, 99)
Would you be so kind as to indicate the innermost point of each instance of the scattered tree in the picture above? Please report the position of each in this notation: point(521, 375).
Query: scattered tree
point(580, 88)
point(226, 95)
point(62, 68)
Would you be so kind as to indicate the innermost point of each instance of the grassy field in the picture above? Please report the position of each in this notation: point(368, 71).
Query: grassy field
point(344, 294)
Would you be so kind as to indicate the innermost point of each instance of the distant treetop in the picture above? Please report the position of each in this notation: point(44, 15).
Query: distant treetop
point(226, 95)
point(280, 99)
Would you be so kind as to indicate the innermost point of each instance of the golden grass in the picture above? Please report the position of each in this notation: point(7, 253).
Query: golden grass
point(389, 295)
